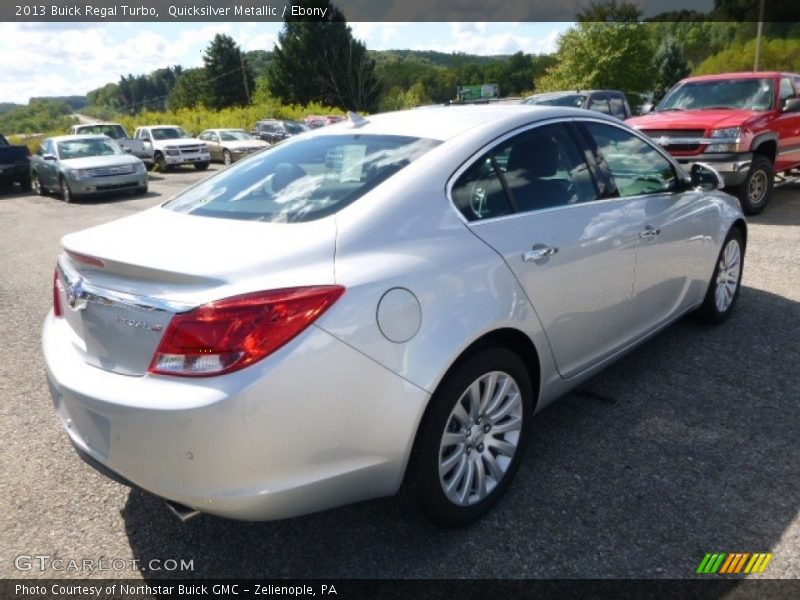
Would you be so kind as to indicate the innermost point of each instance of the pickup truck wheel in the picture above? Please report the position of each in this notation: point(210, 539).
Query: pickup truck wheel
point(159, 164)
point(66, 193)
point(756, 190)
point(26, 184)
point(201, 166)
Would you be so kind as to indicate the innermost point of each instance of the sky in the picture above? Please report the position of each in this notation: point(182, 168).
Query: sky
point(65, 59)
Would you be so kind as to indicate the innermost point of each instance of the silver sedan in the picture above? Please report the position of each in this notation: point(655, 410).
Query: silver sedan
point(380, 305)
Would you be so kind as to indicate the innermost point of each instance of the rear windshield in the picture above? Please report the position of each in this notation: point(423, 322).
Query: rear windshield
point(115, 132)
point(303, 180)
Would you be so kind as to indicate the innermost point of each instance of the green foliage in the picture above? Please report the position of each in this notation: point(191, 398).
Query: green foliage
point(320, 61)
point(609, 11)
point(698, 39)
point(189, 90)
point(37, 117)
point(669, 66)
point(595, 55)
point(228, 80)
point(258, 61)
point(776, 55)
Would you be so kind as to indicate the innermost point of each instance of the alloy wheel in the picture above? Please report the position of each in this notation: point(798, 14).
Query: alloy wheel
point(729, 270)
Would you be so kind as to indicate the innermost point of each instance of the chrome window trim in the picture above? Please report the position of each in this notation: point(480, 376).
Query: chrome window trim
point(680, 174)
point(99, 295)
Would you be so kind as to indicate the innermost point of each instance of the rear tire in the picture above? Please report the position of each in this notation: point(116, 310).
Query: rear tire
point(471, 439)
point(723, 289)
point(756, 190)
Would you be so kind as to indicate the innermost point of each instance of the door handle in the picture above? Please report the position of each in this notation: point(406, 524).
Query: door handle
point(538, 252)
point(649, 233)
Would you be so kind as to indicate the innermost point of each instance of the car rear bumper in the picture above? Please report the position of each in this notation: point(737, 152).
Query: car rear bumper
point(313, 426)
point(732, 167)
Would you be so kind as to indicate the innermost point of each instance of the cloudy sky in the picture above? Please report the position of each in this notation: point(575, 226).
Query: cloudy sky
point(63, 59)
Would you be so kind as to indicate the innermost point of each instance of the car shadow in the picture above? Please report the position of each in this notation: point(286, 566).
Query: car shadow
point(783, 207)
point(682, 447)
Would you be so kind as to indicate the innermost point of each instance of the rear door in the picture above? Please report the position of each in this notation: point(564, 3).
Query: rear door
point(533, 199)
point(788, 127)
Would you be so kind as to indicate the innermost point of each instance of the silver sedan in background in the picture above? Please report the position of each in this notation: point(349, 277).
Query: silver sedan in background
point(230, 145)
point(379, 305)
point(83, 165)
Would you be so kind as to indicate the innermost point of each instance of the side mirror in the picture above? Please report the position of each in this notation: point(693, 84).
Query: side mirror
point(705, 177)
point(792, 105)
point(646, 108)
point(48, 156)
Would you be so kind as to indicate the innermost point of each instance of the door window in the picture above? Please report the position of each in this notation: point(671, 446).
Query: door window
point(633, 166)
point(600, 104)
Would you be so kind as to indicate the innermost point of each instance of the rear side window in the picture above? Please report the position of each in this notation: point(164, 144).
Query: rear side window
point(303, 180)
point(535, 170)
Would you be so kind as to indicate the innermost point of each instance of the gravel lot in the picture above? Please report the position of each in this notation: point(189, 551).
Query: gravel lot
point(686, 446)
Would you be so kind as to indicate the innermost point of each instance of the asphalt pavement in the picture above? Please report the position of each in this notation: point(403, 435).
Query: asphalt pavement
point(687, 445)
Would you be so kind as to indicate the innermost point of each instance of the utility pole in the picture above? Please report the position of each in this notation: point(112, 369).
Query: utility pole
point(244, 76)
point(758, 35)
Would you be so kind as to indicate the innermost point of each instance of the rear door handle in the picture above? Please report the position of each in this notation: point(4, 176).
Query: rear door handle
point(538, 252)
point(649, 233)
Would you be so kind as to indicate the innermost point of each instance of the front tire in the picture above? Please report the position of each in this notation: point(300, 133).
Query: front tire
point(38, 186)
point(227, 159)
point(66, 193)
point(201, 166)
point(755, 192)
point(471, 439)
point(723, 289)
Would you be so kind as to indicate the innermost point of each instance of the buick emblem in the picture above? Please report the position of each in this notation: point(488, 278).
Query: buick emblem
point(75, 295)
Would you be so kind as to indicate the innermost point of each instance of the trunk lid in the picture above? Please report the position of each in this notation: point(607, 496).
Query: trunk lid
point(120, 284)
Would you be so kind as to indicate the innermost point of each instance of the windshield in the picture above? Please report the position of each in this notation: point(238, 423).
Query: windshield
point(88, 147)
point(575, 100)
point(303, 180)
point(169, 133)
point(750, 94)
point(232, 136)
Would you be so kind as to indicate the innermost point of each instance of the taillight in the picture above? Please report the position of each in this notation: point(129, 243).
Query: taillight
point(230, 334)
point(56, 294)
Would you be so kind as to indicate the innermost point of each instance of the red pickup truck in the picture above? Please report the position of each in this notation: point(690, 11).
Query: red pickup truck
point(745, 125)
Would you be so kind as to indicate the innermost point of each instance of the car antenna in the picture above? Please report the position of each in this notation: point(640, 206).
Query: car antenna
point(356, 119)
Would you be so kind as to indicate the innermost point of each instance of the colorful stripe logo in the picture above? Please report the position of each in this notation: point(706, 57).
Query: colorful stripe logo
point(733, 562)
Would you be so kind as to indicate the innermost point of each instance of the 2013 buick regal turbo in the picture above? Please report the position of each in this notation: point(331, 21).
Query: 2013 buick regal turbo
point(378, 305)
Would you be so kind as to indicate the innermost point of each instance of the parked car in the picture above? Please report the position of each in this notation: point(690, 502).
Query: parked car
point(747, 125)
point(83, 165)
point(229, 145)
point(609, 102)
point(274, 130)
point(300, 332)
point(116, 132)
point(317, 121)
point(167, 146)
point(15, 165)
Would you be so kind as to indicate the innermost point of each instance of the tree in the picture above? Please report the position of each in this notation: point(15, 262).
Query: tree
point(776, 55)
point(228, 80)
point(669, 66)
point(602, 55)
point(318, 60)
point(189, 91)
point(610, 11)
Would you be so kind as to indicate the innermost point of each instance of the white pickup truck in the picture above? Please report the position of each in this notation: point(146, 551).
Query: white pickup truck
point(168, 145)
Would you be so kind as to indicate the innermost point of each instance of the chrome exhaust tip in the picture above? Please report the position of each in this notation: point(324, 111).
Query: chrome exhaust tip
point(184, 513)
